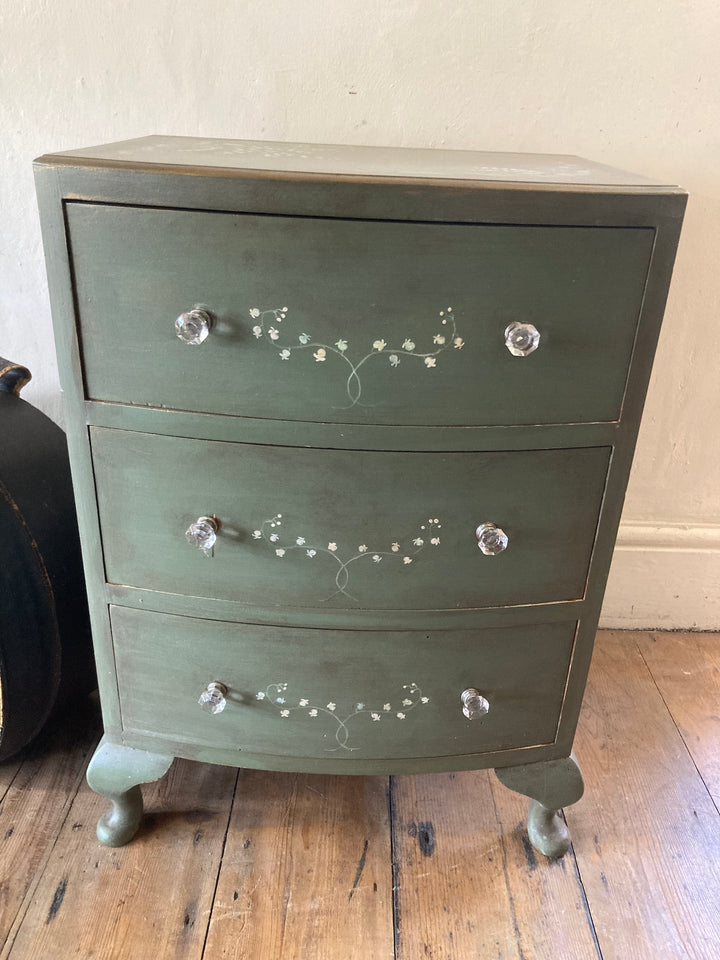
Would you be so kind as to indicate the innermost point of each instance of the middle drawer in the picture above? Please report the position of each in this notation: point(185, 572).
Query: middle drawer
point(346, 528)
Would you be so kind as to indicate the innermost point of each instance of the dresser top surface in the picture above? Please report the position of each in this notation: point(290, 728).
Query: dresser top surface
point(201, 155)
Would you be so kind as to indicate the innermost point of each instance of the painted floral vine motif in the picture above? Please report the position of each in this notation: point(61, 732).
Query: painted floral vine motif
point(267, 327)
point(275, 695)
point(270, 533)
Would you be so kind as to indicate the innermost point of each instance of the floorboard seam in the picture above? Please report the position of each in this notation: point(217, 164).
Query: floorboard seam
point(583, 894)
point(675, 724)
point(8, 946)
point(510, 896)
point(12, 780)
point(220, 863)
point(394, 870)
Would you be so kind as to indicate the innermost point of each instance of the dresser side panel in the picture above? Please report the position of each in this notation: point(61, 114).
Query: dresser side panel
point(57, 257)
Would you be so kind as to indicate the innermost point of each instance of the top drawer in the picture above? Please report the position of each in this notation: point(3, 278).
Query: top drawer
point(353, 321)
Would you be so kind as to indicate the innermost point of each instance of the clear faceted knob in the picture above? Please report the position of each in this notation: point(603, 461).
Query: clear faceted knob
point(491, 539)
point(194, 326)
point(522, 338)
point(212, 699)
point(474, 704)
point(202, 533)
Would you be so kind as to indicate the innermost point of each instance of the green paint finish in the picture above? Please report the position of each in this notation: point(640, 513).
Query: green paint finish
point(550, 785)
point(336, 694)
point(363, 340)
point(364, 256)
point(347, 529)
point(116, 772)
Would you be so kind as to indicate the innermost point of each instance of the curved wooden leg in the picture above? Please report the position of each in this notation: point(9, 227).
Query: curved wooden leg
point(116, 772)
point(550, 785)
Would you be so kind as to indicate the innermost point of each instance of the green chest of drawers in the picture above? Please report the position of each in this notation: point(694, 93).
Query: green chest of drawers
point(350, 432)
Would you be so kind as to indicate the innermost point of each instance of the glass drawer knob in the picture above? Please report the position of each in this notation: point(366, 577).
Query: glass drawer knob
point(212, 699)
point(474, 704)
point(522, 339)
point(194, 326)
point(202, 533)
point(491, 539)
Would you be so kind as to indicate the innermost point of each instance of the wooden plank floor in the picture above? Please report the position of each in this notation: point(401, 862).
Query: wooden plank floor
point(267, 866)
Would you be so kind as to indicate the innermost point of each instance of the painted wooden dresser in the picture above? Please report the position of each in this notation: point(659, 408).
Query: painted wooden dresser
point(350, 432)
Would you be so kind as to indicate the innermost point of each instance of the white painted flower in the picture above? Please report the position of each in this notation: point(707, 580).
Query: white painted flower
point(274, 333)
point(284, 713)
point(257, 331)
point(458, 343)
point(320, 355)
point(394, 359)
point(424, 699)
point(255, 313)
point(313, 712)
point(408, 344)
point(439, 338)
point(332, 546)
point(280, 552)
point(406, 702)
point(395, 547)
point(400, 715)
point(434, 541)
point(407, 560)
point(257, 534)
point(310, 553)
point(280, 700)
point(418, 541)
point(379, 345)
point(284, 354)
point(274, 537)
point(442, 313)
point(376, 558)
point(342, 345)
point(375, 716)
point(284, 309)
point(300, 541)
point(260, 696)
point(282, 686)
point(359, 706)
point(449, 310)
point(303, 702)
point(331, 706)
point(429, 361)
point(362, 548)
point(304, 338)
point(387, 708)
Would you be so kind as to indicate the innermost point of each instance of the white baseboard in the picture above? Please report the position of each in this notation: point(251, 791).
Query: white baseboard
point(664, 577)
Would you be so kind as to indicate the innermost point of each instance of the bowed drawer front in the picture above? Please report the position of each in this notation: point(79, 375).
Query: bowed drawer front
point(350, 433)
point(352, 321)
point(329, 694)
point(344, 527)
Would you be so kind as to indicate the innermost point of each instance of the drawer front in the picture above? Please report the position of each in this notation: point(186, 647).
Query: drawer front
point(340, 694)
point(346, 529)
point(356, 321)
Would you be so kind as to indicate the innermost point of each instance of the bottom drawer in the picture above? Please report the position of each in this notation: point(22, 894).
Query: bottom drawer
point(309, 693)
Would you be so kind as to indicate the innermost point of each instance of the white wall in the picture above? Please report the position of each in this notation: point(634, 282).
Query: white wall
point(629, 84)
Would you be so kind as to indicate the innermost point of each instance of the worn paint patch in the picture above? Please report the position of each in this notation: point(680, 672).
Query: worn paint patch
point(57, 900)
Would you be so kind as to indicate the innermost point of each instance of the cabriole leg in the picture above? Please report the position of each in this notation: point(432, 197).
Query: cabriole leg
point(116, 772)
point(550, 784)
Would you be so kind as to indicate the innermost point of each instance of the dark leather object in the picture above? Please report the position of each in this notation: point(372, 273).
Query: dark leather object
point(45, 644)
